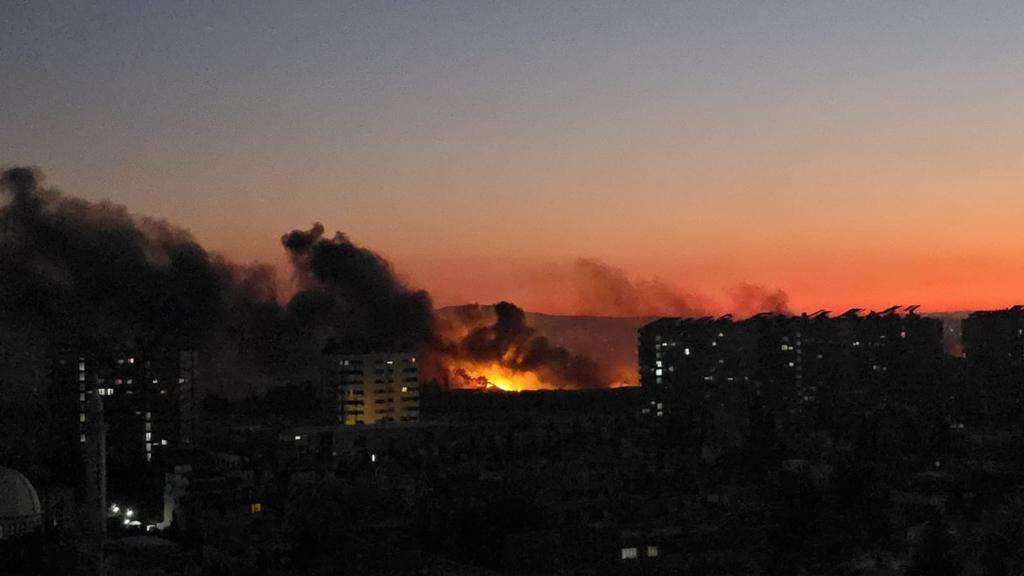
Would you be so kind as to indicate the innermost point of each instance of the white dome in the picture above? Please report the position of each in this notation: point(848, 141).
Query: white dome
point(19, 504)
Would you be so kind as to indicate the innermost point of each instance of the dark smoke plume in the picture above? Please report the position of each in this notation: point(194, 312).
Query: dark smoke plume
point(354, 287)
point(90, 273)
point(94, 276)
point(509, 341)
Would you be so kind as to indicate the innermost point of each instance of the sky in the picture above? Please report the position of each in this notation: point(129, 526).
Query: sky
point(849, 153)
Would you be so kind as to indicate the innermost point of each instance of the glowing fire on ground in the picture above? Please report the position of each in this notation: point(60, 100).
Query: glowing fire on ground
point(496, 376)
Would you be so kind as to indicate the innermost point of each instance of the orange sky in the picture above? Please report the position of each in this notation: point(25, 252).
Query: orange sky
point(851, 154)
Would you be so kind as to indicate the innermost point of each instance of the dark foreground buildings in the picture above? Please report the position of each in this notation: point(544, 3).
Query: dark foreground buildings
point(796, 367)
point(811, 444)
point(149, 406)
point(993, 348)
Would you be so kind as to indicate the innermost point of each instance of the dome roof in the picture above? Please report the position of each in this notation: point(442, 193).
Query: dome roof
point(18, 498)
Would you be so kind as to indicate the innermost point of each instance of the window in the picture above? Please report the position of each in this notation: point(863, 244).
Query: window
point(652, 551)
point(256, 507)
point(629, 553)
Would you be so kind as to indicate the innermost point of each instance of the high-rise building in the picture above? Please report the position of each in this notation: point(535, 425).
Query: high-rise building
point(789, 364)
point(374, 387)
point(993, 347)
point(148, 400)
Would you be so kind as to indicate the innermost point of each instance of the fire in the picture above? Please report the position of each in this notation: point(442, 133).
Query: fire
point(497, 376)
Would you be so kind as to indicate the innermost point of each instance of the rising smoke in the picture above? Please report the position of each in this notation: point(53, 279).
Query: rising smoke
point(476, 336)
point(604, 290)
point(91, 275)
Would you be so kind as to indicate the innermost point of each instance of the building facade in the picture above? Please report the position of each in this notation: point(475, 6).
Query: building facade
point(375, 387)
point(791, 365)
point(148, 400)
point(993, 349)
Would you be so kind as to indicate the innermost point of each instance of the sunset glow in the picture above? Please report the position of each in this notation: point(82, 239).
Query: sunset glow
point(483, 151)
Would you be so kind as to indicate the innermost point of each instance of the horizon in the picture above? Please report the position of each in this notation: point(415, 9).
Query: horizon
point(484, 149)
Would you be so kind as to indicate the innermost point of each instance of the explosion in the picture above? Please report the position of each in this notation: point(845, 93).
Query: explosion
point(495, 348)
point(496, 376)
point(93, 275)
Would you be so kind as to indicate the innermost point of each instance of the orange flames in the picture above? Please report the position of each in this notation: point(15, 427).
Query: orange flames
point(496, 376)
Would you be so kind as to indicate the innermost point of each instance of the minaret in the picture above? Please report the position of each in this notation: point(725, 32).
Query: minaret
point(95, 482)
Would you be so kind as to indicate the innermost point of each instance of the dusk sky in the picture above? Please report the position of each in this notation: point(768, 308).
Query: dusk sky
point(849, 153)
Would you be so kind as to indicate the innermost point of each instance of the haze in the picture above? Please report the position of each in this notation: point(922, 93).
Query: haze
point(852, 154)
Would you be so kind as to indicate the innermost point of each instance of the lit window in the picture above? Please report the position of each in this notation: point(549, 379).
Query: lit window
point(163, 442)
point(110, 391)
point(405, 388)
point(102, 391)
point(658, 372)
point(149, 436)
point(256, 507)
point(629, 553)
point(686, 351)
point(81, 417)
point(298, 437)
point(652, 551)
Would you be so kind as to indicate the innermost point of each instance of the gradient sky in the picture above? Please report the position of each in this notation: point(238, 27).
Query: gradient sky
point(850, 153)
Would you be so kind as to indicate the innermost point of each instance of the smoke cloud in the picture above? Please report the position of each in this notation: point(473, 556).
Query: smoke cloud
point(91, 273)
point(604, 290)
point(355, 288)
point(479, 337)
